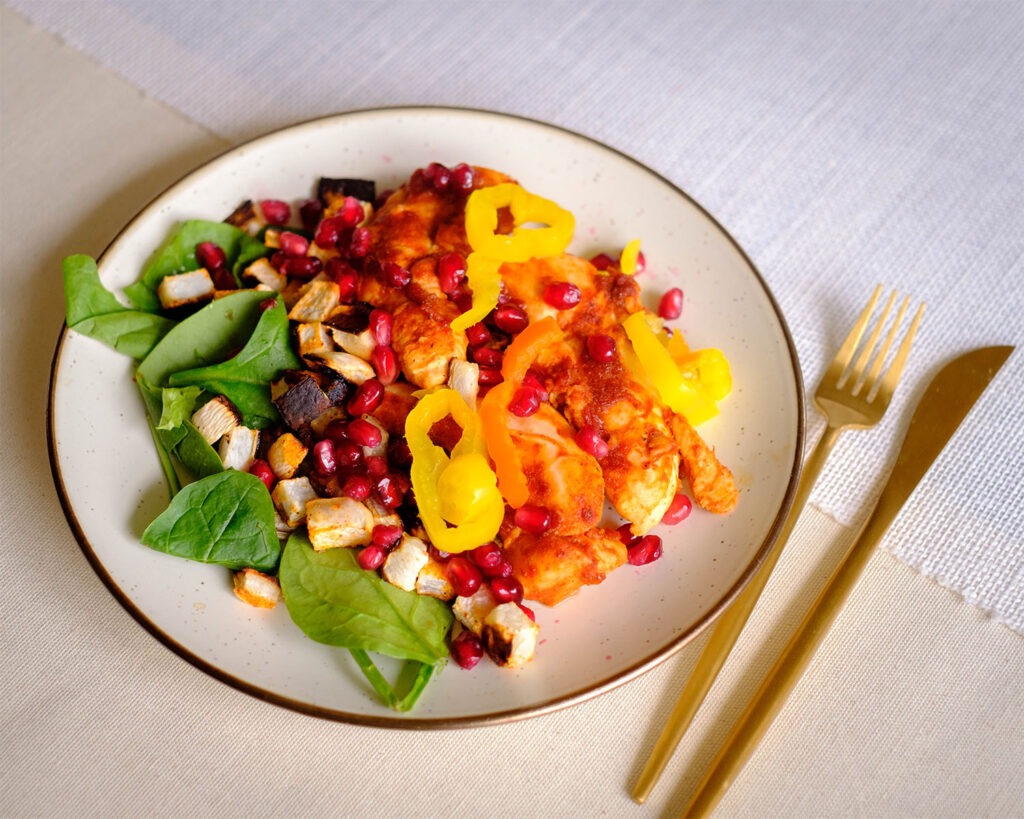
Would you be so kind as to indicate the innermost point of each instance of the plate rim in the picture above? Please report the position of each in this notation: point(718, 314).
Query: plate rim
point(553, 704)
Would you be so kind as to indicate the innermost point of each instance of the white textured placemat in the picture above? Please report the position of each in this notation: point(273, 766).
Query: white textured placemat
point(843, 144)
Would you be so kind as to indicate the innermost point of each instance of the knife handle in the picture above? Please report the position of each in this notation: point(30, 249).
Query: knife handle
point(784, 675)
point(727, 628)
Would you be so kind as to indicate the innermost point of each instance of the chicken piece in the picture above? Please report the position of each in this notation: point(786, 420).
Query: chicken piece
point(713, 484)
point(553, 567)
point(641, 470)
point(425, 344)
point(561, 477)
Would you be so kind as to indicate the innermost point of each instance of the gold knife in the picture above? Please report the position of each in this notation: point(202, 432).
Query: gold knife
point(945, 403)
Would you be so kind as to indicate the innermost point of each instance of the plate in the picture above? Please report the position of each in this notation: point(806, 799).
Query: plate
point(109, 478)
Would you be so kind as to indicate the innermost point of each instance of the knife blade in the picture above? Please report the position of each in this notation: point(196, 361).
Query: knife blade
point(943, 406)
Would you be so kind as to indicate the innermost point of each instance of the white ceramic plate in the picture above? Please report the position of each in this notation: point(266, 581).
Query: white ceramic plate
point(107, 471)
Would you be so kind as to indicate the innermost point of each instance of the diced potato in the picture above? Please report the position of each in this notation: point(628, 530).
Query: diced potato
point(215, 418)
point(313, 338)
point(183, 289)
point(509, 636)
point(238, 448)
point(472, 611)
point(264, 273)
point(338, 522)
point(347, 365)
point(285, 455)
point(291, 498)
point(257, 589)
point(317, 302)
point(432, 581)
point(403, 564)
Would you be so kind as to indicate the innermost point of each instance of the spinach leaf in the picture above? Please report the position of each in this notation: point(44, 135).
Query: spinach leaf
point(183, 440)
point(245, 379)
point(93, 310)
point(227, 519)
point(336, 602)
point(178, 255)
point(207, 336)
point(177, 404)
point(411, 681)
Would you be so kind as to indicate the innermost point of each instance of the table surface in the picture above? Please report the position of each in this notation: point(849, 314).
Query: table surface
point(841, 144)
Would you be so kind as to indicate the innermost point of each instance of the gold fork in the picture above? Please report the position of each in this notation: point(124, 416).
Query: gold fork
point(850, 396)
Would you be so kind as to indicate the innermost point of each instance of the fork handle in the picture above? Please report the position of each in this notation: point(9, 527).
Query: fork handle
point(728, 627)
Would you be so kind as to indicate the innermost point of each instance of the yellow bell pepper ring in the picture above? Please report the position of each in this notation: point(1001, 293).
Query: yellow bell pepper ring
point(630, 257)
point(482, 274)
point(681, 393)
point(523, 243)
point(461, 490)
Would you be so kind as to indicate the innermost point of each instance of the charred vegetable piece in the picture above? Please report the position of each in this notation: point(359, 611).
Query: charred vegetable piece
point(302, 402)
point(330, 190)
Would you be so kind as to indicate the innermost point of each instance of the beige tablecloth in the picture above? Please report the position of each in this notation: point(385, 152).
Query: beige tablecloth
point(914, 706)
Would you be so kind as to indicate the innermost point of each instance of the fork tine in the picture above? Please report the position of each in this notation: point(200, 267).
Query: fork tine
point(849, 346)
point(892, 375)
point(876, 365)
point(865, 354)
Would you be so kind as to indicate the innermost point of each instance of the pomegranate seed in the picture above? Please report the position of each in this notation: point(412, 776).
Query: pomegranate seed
point(359, 245)
point(451, 270)
point(275, 211)
point(376, 466)
point(463, 300)
point(507, 589)
point(348, 284)
point(381, 323)
point(641, 262)
point(525, 402)
point(602, 261)
point(293, 243)
point(323, 457)
point(371, 557)
point(261, 469)
point(503, 569)
point(466, 650)
point(385, 535)
point(300, 267)
point(267, 304)
point(356, 487)
point(210, 255)
point(527, 611)
point(589, 440)
point(626, 535)
point(438, 175)
point(510, 319)
point(489, 376)
point(364, 433)
point(678, 510)
point(223, 279)
point(337, 431)
point(671, 304)
point(388, 492)
point(562, 295)
point(384, 364)
point(487, 556)
point(601, 347)
point(327, 234)
point(533, 519)
point(478, 334)
point(462, 177)
point(532, 380)
point(368, 397)
point(487, 356)
point(350, 213)
point(646, 550)
point(310, 212)
point(394, 274)
point(463, 575)
point(348, 454)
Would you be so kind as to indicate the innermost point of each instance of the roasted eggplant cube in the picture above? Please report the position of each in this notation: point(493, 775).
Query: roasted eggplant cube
point(331, 190)
point(302, 402)
point(247, 218)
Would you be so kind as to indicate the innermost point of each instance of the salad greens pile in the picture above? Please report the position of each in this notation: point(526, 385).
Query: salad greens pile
point(236, 346)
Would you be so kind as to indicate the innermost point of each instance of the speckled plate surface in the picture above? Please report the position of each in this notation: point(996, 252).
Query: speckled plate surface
point(110, 482)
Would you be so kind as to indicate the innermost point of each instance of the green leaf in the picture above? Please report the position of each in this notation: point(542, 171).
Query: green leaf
point(336, 602)
point(226, 519)
point(93, 310)
point(209, 335)
point(178, 255)
point(412, 679)
point(184, 441)
point(177, 404)
point(245, 379)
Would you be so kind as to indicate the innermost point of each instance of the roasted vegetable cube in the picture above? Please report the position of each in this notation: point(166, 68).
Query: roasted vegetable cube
point(215, 418)
point(302, 402)
point(509, 636)
point(182, 290)
point(338, 522)
point(403, 564)
point(256, 589)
